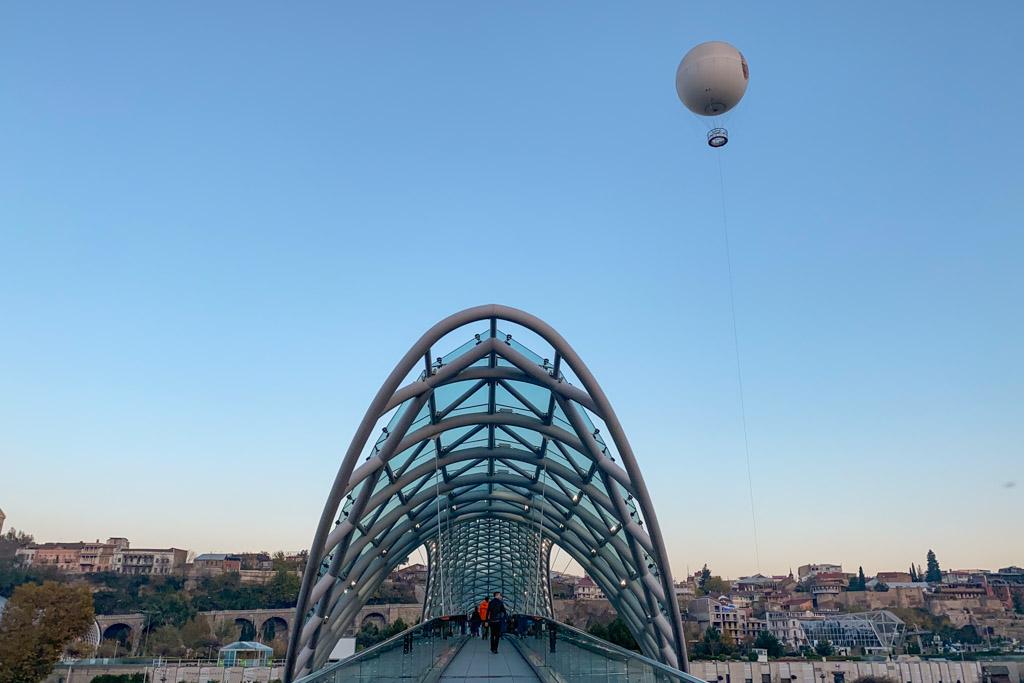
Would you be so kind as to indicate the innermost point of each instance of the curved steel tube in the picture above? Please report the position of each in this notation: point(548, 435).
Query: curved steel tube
point(453, 476)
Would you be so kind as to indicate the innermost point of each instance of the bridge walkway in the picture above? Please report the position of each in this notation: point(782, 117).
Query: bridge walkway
point(474, 662)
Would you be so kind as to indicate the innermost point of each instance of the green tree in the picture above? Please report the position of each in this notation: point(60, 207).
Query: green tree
point(11, 541)
point(913, 574)
point(280, 564)
point(38, 622)
point(1018, 603)
point(368, 635)
point(933, 575)
point(705, 574)
point(394, 628)
point(766, 641)
point(166, 641)
point(716, 585)
point(881, 587)
point(598, 630)
point(824, 648)
point(619, 634)
point(858, 583)
point(197, 634)
point(714, 643)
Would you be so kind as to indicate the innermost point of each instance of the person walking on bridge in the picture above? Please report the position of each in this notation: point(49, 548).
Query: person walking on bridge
point(495, 619)
point(482, 611)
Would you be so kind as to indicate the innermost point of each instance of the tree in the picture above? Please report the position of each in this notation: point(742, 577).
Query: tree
point(1018, 603)
point(933, 575)
point(824, 648)
point(858, 583)
point(715, 643)
point(716, 585)
point(881, 587)
point(12, 540)
point(766, 641)
point(394, 628)
point(197, 634)
point(598, 630)
point(619, 634)
point(166, 641)
point(38, 622)
point(913, 574)
point(705, 574)
point(368, 635)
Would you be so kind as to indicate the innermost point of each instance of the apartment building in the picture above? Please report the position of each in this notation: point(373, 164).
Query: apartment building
point(150, 561)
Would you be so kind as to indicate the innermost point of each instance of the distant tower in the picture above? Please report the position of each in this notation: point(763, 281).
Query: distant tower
point(2, 518)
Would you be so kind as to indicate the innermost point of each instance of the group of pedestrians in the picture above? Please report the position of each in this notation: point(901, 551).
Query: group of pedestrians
point(490, 617)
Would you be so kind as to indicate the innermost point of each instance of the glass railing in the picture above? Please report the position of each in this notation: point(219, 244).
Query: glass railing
point(407, 656)
point(555, 651)
point(563, 653)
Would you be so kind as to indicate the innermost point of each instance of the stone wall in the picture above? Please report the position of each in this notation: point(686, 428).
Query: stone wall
point(871, 600)
point(904, 670)
point(583, 613)
point(193, 673)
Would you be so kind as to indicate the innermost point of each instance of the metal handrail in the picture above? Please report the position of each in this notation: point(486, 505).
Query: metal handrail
point(384, 646)
point(601, 646)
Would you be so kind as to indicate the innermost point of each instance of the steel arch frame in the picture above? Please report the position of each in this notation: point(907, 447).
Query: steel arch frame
point(388, 512)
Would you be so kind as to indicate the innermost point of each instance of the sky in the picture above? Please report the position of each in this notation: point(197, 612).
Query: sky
point(222, 225)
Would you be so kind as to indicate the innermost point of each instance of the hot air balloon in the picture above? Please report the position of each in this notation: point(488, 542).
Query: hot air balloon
point(710, 81)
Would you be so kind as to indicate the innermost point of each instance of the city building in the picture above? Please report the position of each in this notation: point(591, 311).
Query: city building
point(585, 589)
point(416, 573)
point(786, 627)
point(961, 576)
point(685, 589)
point(808, 570)
point(64, 557)
point(1006, 583)
point(26, 556)
point(878, 632)
point(211, 564)
point(99, 557)
point(827, 584)
point(721, 614)
point(72, 558)
point(759, 583)
point(157, 561)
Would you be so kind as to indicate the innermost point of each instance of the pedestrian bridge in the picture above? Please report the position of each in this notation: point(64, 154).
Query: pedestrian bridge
point(489, 454)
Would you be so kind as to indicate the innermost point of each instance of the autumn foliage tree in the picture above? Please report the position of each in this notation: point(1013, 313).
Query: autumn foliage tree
point(37, 624)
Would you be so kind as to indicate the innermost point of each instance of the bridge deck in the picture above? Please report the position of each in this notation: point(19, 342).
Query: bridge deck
point(474, 662)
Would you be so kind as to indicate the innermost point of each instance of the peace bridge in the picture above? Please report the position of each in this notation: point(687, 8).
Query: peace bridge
point(489, 456)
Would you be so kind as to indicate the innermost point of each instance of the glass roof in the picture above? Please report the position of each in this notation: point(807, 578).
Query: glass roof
point(492, 458)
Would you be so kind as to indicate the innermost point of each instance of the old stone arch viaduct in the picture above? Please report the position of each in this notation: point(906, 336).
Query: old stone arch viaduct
point(282, 621)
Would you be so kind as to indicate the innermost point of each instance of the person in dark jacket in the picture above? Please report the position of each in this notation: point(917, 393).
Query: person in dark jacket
point(474, 623)
point(495, 617)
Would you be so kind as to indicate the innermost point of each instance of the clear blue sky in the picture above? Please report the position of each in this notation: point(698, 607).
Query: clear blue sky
point(221, 225)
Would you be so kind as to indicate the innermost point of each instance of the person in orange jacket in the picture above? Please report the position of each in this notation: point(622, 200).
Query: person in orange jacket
point(482, 611)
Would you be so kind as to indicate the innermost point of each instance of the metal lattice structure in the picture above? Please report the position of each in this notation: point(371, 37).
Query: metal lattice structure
point(491, 456)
